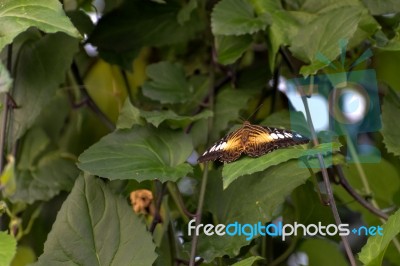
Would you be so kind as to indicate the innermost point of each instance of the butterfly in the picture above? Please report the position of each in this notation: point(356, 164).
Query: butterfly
point(252, 140)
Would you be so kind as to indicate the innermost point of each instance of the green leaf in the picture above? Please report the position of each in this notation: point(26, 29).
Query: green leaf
point(52, 118)
point(43, 169)
point(236, 17)
point(168, 85)
point(16, 16)
point(122, 32)
point(284, 27)
point(8, 249)
point(186, 11)
point(157, 117)
point(317, 249)
point(201, 85)
point(263, 6)
point(25, 256)
point(248, 262)
point(5, 80)
point(384, 190)
point(322, 35)
point(249, 165)
point(139, 153)
point(230, 48)
point(34, 143)
point(372, 253)
point(253, 79)
point(367, 27)
point(309, 209)
point(391, 131)
point(42, 181)
point(315, 6)
point(41, 67)
point(123, 59)
point(96, 227)
point(81, 20)
point(392, 45)
point(129, 116)
point(7, 178)
point(382, 7)
point(211, 247)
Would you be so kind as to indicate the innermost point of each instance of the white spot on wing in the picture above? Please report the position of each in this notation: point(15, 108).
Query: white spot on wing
point(223, 145)
point(274, 136)
point(212, 148)
point(280, 136)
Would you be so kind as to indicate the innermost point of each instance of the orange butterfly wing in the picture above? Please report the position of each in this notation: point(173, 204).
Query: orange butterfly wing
point(227, 149)
point(252, 140)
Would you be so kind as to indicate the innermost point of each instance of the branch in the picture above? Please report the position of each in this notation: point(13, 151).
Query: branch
point(128, 87)
point(356, 196)
point(323, 168)
point(157, 217)
point(198, 215)
point(205, 170)
point(177, 197)
point(5, 112)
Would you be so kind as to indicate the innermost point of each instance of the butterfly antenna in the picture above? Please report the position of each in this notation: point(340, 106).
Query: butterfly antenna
point(255, 111)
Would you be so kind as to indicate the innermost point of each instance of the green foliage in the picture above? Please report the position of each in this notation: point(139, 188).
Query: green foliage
point(157, 117)
point(390, 131)
point(139, 153)
point(384, 192)
point(18, 15)
point(248, 262)
point(231, 48)
point(168, 84)
point(338, 24)
point(382, 7)
point(7, 178)
point(5, 80)
point(45, 167)
point(8, 248)
point(317, 250)
point(186, 11)
point(129, 116)
point(248, 166)
point(43, 63)
point(236, 17)
point(24, 256)
point(180, 75)
point(373, 252)
point(308, 208)
point(96, 227)
point(142, 24)
point(250, 199)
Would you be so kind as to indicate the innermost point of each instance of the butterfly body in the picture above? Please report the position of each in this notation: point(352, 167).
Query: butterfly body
point(252, 140)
